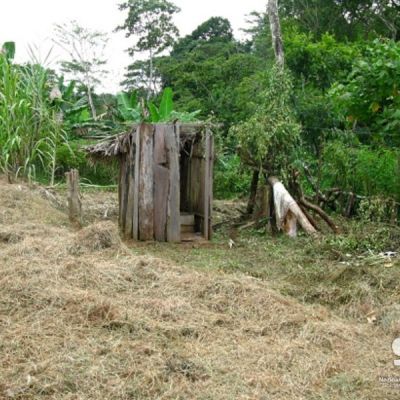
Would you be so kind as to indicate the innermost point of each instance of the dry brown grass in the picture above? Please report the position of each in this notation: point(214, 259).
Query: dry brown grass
point(103, 323)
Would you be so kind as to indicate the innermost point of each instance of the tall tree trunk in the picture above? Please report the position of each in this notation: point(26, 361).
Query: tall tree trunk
point(151, 78)
point(253, 192)
point(276, 34)
point(287, 211)
point(91, 103)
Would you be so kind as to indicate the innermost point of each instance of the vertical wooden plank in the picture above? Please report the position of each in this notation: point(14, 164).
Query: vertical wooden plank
point(131, 188)
point(211, 161)
point(197, 178)
point(120, 189)
point(172, 134)
point(124, 191)
point(161, 185)
point(160, 153)
point(135, 223)
point(146, 184)
point(206, 202)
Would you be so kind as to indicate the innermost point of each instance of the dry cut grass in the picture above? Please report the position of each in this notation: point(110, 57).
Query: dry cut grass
point(83, 317)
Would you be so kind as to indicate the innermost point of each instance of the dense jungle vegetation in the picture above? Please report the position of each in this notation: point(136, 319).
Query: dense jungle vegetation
point(339, 101)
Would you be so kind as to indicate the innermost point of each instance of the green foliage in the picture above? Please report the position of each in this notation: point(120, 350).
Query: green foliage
point(361, 169)
point(206, 68)
point(359, 239)
point(317, 117)
point(150, 21)
point(269, 138)
point(166, 112)
point(347, 20)
point(378, 209)
point(30, 124)
point(230, 178)
point(319, 63)
point(369, 99)
point(129, 107)
point(8, 49)
point(101, 174)
point(166, 105)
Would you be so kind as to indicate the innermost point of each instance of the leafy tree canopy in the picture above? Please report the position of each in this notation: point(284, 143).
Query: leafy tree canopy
point(150, 21)
point(369, 98)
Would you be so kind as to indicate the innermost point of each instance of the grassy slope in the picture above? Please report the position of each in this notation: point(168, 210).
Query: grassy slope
point(82, 316)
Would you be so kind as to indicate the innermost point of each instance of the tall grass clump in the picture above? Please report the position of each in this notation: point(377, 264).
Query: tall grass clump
point(30, 122)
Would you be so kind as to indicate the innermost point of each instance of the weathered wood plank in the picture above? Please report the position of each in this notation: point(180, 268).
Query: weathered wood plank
point(210, 230)
point(120, 189)
point(206, 193)
point(74, 198)
point(187, 219)
point(146, 184)
point(173, 220)
point(160, 154)
point(131, 189)
point(195, 185)
point(124, 192)
point(161, 190)
point(135, 223)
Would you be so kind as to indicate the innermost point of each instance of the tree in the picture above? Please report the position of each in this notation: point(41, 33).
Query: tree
point(369, 98)
point(346, 19)
point(205, 70)
point(86, 56)
point(275, 26)
point(150, 21)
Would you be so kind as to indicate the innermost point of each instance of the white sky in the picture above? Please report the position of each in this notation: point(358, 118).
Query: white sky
point(30, 22)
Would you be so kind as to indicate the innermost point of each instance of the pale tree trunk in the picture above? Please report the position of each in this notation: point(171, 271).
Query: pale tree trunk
point(288, 211)
point(151, 78)
point(91, 103)
point(276, 34)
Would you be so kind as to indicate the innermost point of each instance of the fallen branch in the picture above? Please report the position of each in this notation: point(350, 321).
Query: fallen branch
point(321, 213)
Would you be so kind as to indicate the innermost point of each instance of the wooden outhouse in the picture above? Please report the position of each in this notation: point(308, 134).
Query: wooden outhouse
point(165, 182)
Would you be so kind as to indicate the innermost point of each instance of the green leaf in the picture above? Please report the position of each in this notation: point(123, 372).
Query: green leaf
point(154, 114)
point(166, 105)
point(9, 50)
point(133, 100)
point(69, 91)
point(124, 106)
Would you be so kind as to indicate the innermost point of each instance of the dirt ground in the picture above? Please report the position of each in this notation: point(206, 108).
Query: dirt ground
point(85, 316)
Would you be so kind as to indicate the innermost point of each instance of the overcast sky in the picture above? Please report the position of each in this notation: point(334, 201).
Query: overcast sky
point(30, 22)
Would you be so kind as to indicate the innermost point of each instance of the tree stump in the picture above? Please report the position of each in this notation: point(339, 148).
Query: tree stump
point(74, 198)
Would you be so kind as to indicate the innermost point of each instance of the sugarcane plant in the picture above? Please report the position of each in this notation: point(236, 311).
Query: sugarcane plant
point(31, 122)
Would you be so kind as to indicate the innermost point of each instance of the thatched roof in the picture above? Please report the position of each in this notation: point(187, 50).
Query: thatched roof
point(109, 148)
point(114, 146)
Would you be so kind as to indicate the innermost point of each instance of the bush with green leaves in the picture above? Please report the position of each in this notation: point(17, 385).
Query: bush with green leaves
point(319, 63)
point(369, 99)
point(230, 178)
point(361, 169)
point(269, 139)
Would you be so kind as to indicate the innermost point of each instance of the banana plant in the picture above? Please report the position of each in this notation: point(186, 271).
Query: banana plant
point(166, 112)
point(129, 108)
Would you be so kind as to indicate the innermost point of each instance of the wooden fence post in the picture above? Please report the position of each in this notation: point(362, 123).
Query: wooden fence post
point(74, 198)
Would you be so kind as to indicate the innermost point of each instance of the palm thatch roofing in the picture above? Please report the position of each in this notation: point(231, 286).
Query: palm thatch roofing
point(117, 145)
